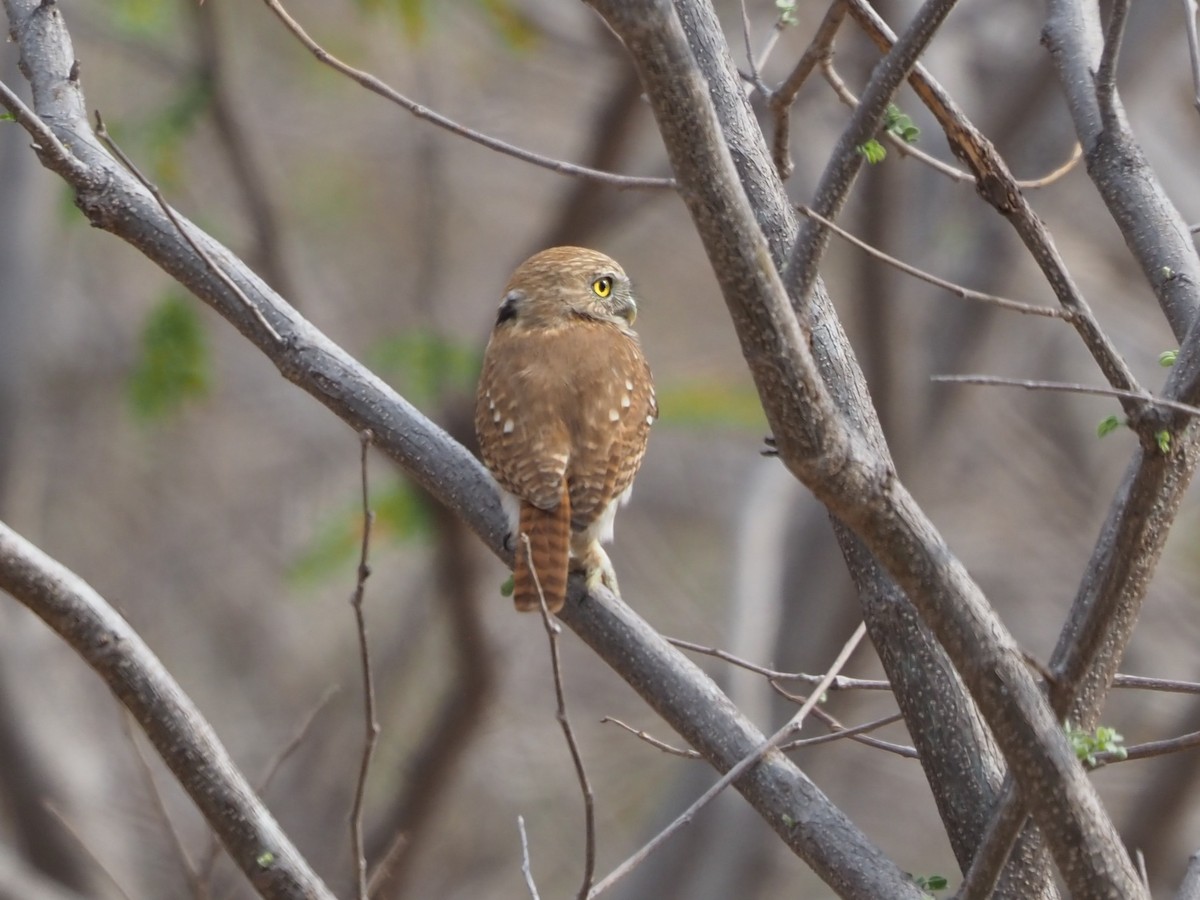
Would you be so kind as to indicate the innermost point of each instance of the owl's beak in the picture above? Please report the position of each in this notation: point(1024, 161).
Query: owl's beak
point(626, 308)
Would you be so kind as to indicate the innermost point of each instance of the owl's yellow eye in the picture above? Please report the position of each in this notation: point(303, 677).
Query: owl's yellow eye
point(602, 286)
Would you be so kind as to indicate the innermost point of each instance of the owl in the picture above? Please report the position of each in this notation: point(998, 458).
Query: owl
point(563, 411)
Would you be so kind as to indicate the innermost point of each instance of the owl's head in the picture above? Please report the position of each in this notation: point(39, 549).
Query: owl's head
point(565, 282)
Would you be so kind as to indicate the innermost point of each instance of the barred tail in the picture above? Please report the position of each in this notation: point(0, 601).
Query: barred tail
point(549, 535)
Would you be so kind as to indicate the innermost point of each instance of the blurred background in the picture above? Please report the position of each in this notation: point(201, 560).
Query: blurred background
point(151, 449)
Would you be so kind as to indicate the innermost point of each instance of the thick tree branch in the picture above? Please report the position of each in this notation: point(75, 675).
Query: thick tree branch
point(858, 485)
point(681, 693)
point(185, 741)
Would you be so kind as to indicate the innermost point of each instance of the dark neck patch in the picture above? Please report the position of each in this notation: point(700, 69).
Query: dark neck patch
point(509, 306)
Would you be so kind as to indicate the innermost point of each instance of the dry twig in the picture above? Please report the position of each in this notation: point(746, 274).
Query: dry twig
point(793, 725)
point(370, 722)
point(553, 630)
point(375, 86)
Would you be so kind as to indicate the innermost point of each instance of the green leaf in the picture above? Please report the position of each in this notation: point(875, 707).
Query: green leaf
point(873, 151)
point(787, 12)
point(1108, 425)
point(425, 365)
point(173, 364)
point(900, 124)
point(7, 117)
point(1167, 358)
point(1088, 744)
point(507, 588)
point(1163, 439)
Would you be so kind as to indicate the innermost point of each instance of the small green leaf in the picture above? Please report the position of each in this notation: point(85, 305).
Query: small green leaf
point(507, 588)
point(1168, 358)
point(1163, 439)
point(1088, 744)
point(7, 117)
point(900, 124)
point(1107, 426)
point(787, 12)
point(873, 151)
point(173, 367)
point(265, 859)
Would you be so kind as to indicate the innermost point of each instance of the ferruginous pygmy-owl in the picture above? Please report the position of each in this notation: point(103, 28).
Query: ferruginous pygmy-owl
point(564, 408)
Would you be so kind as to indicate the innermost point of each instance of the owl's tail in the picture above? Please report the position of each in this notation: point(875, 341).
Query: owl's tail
point(549, 535)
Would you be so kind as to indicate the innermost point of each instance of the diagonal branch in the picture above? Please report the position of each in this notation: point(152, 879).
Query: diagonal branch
point(179, 733)
point(803, 817)
point(855, 482)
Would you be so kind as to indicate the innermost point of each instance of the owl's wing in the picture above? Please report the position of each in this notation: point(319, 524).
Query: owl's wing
point(620, 410)
point(522, 436)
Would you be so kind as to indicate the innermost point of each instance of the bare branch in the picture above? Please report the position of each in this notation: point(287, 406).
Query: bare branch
point(1189, 888)
point(1106, 73)
point(1068, 388)
point(589, 811)
point(846, 158)
point(839, 683)
point(526, 868)
point(904, 148)
point(996, 185)
point(685, 752)
point(164, 817)
point(956, 289)
point(793, 725)
point(1193, 42)
point(370, 721)
point(375, 86)
point(69, 827)
point(185, 741)
point(781, 99)
point(855, 733)
point(102, 134)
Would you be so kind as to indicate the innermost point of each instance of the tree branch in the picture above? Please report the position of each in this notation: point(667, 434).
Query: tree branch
point(857, 484)
point(179, 733)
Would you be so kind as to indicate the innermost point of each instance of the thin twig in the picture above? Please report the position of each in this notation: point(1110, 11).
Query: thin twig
point(958, 290)
point(755, 74)
point(199, 890)
point(371, 724)
point(553, 630)
point(46, 143)
point(375, 86)
point(857, 734)
point(1193, 42)
point(103, 135)
point(272, 768)
point(1106, 72)
point(70, 828)
point(784, 733)
point(839, 683)
point(781, 99)
point(1166, 685)
point(1189, 741)
point(1069, 388)
point(836, 726)
point(996, 185)
point(526, 868)
point(685, 752)
point(904, 148)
